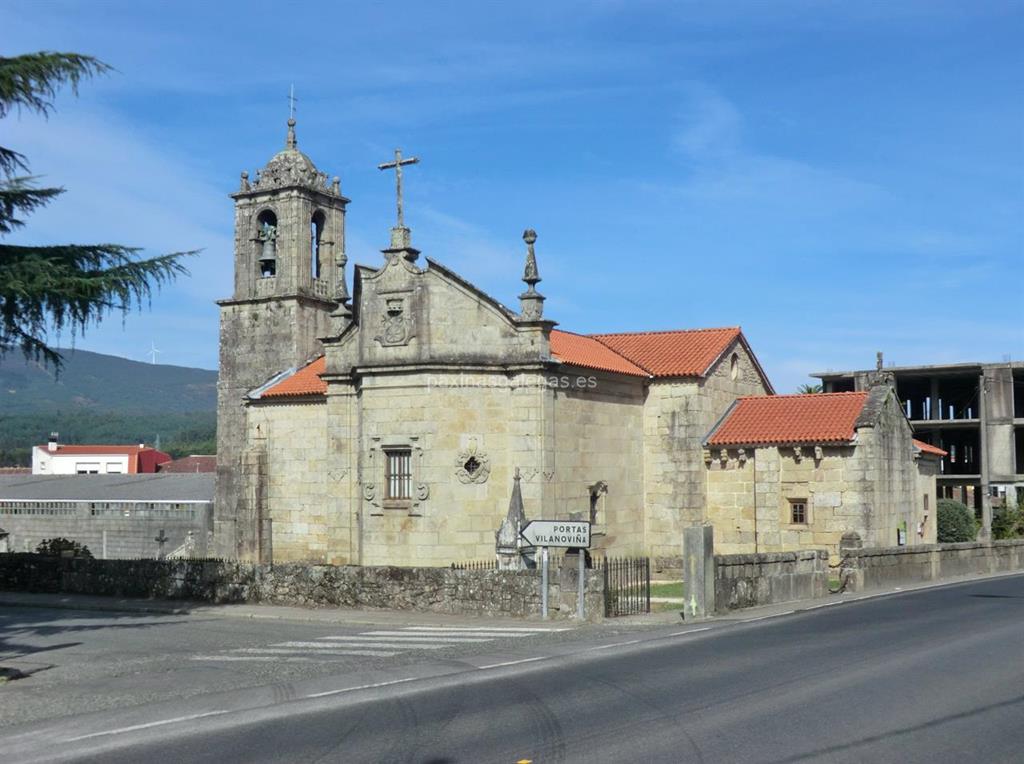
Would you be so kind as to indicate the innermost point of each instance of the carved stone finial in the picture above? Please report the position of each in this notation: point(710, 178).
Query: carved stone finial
point(336, 186)
point(290, 142)
point(878, 361)
point(245, 181)
point(531, 302)
point(341, 291)
point(530, 274)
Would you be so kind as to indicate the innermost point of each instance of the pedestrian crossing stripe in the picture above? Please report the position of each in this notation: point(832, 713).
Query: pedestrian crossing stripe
point(380, 643)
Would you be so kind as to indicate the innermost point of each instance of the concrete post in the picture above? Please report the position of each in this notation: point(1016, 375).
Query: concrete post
point(985, 534)
point(699, 571)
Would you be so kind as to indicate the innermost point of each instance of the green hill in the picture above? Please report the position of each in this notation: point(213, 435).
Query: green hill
point(100, 398)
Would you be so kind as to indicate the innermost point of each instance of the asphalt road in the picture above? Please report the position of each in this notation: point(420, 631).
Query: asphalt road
point(933, 676)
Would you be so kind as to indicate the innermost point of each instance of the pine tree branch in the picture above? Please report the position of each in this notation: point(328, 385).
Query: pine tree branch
point(12, 162)
point(31, 81)
point(18, 194)
point(72, 287)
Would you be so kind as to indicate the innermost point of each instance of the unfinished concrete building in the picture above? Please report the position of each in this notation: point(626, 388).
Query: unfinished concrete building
point(975, 412)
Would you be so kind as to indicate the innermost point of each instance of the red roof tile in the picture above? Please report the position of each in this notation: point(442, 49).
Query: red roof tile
point(928, 448)
point(782, 419)
point(194, 463)
point(305, 381)
point(684, 353)
point(579, 350)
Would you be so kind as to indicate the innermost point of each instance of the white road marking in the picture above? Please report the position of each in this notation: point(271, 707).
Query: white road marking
point(386, 644)
point(360, 687)
point(277, 658)
point(826, 604)
point(691, 631)
point(147, 725)
point(522, 629)
point(344, 642)
point(513, 663)
point(426, 637)
point(340, 650)
point(766, 617)
point(617, 644)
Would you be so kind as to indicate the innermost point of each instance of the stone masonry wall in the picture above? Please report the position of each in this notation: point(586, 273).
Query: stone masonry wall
point(678, 415)
point(750, 580)
point(874, 568)
point(445, 418)
point(754, 495)
point(304, 521)
point(892, 473)
point(598, 438)
point(438, 590)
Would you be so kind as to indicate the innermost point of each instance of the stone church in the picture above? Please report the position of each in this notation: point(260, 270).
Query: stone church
point(386, 423)
point(383, 422)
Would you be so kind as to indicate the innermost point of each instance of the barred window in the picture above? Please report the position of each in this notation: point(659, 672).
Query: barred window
point(798, 511)
point(398, 474)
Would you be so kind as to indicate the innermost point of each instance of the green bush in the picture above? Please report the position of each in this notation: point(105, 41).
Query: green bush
point(1008, 522)
point(954, 522)
point(62, 547)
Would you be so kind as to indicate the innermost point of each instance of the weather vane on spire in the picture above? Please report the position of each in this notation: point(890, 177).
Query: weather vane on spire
point(397, 166)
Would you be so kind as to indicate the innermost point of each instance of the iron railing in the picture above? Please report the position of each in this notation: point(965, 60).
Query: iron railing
point(627, 586)
point(476, 565)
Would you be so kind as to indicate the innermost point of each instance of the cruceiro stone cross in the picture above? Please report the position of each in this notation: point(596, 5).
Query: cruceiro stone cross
point(397, 166)
point(161, 539)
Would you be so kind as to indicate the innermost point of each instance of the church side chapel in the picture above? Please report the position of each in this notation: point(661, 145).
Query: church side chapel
point(389, 423)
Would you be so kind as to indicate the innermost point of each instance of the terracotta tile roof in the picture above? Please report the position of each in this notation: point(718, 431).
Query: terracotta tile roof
point(783, 419)
point(684, 353)
point(305, 381)
point(580, 350)
point(928, 448)
point(194, 463)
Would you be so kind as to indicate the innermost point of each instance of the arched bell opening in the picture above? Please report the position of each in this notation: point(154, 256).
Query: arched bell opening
point(266, 236)
point(316, 230)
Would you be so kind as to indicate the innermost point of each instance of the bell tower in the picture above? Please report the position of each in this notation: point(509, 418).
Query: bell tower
point(289, 276)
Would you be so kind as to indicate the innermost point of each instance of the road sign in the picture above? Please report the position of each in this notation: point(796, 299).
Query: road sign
point(567, 534)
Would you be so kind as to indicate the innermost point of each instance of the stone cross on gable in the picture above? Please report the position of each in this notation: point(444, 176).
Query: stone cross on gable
point(397, 166)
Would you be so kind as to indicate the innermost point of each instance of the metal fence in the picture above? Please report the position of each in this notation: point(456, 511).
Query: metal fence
point(476, 565)
point(627, 586)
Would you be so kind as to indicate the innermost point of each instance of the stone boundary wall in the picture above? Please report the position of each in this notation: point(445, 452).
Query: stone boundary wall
point(750, 580)
point(436, 590)
point(875, 568)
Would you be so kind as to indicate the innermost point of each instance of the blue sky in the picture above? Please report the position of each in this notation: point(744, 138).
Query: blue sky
point(837, 178)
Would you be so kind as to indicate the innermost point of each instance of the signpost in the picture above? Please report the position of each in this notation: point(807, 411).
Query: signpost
point(563, 534)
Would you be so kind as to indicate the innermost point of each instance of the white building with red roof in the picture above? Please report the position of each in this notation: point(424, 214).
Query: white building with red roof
point(55, 458)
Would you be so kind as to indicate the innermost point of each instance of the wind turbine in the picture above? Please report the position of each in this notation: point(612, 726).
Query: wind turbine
point(152, 352)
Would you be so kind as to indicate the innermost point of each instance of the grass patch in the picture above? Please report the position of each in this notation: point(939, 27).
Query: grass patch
point(667, 589)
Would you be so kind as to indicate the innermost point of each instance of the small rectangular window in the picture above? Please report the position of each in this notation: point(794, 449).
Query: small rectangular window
point(798, 511)
point(398, 474)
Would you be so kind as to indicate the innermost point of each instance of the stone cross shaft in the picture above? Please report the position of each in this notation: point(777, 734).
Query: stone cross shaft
point(397, 166)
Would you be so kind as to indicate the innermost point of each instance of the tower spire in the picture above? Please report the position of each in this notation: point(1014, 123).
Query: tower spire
point(290, 142)
point(531, 302)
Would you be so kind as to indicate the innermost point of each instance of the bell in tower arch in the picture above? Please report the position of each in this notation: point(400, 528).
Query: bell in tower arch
point(268, 245)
